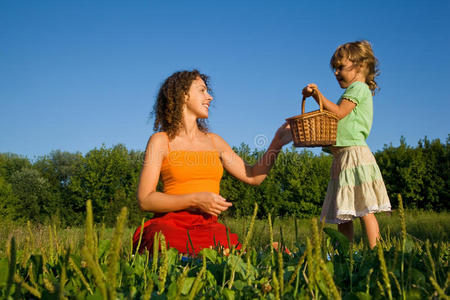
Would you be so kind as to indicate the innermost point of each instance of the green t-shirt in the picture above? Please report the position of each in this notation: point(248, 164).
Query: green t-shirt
point(354, 128)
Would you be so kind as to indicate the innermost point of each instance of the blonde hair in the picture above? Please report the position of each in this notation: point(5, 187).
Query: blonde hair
point(360, 53)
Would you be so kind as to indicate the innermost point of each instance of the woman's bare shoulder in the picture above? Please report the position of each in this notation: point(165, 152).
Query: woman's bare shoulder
point(220, 143)
point(158, 140)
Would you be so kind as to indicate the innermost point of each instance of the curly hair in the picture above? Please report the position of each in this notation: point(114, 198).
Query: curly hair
point(360, 53)
point(169, 104)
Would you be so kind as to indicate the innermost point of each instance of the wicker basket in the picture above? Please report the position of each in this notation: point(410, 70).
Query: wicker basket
point(314, 129)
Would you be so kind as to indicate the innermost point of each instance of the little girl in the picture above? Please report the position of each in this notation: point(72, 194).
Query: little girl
point(356, 188)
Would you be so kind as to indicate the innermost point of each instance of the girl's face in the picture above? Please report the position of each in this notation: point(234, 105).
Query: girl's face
point(198, 99)
point(347, 73)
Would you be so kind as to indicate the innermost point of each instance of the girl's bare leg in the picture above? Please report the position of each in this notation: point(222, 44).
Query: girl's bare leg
point(347, 230)
point(372, 229)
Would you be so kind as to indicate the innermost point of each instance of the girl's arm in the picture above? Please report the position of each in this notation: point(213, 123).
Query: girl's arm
point(341, 110)
point(255, 174)
point(151, 200)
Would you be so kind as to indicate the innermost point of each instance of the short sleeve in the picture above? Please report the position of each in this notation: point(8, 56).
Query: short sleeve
point(356, 92)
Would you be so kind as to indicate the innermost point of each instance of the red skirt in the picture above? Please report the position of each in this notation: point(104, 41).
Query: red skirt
point(204, 232)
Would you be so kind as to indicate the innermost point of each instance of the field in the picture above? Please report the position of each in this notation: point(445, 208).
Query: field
point(94, 262)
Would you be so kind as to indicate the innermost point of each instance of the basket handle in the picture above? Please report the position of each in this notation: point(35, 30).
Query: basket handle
point(320, 102)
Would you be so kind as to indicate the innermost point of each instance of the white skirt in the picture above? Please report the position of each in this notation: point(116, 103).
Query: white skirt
point(356, 187)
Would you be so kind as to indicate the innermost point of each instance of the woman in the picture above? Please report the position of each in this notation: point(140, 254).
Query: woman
point(190, 161)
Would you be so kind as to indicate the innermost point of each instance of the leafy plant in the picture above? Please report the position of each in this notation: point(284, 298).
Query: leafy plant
point(322, 266)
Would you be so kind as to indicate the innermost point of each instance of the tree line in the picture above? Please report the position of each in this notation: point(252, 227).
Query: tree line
point(55, 187)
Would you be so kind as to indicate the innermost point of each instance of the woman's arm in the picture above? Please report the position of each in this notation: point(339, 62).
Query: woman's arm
point(341, 110)
point(255, 174)
point(151, 200)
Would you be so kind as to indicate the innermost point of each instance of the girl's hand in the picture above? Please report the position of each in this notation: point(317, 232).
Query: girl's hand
point(309, 90)
point(211, 203)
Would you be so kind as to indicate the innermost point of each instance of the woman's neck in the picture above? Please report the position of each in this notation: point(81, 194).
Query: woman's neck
point(189, 129)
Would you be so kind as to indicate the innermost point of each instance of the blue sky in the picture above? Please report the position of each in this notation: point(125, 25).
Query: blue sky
point(78, 74)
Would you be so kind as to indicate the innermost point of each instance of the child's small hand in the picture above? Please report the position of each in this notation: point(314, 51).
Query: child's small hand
point(309, 90)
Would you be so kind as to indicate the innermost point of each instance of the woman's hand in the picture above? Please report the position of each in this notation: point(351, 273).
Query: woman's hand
point(309, 90)
point(211, 203)
point(283, 135)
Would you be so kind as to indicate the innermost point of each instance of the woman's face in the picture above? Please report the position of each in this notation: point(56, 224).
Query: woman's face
point(198, 99)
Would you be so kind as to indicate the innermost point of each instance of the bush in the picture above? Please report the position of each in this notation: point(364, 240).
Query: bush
point(58, 185)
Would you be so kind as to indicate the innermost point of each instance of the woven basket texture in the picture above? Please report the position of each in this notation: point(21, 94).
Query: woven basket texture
point(314, 129)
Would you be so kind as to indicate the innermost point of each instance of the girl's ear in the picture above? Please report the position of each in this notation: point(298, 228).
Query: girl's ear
point(362, 68)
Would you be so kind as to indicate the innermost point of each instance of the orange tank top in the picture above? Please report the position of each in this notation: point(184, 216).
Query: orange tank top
point(185, 172)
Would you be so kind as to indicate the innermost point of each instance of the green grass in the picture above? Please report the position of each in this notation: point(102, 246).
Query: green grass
point(56, 263)
point(421, 225)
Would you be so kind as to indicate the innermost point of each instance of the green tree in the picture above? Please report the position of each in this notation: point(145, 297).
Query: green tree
point(239, 193)
point(58, 168)
point(32, 197)
point(303, 179)
point(420, 174)
point(7, 199)
point(58, 185)
point(296, 185)
point(437, 172)
point(403, 170)
point(108, 177)
point(10, 163)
